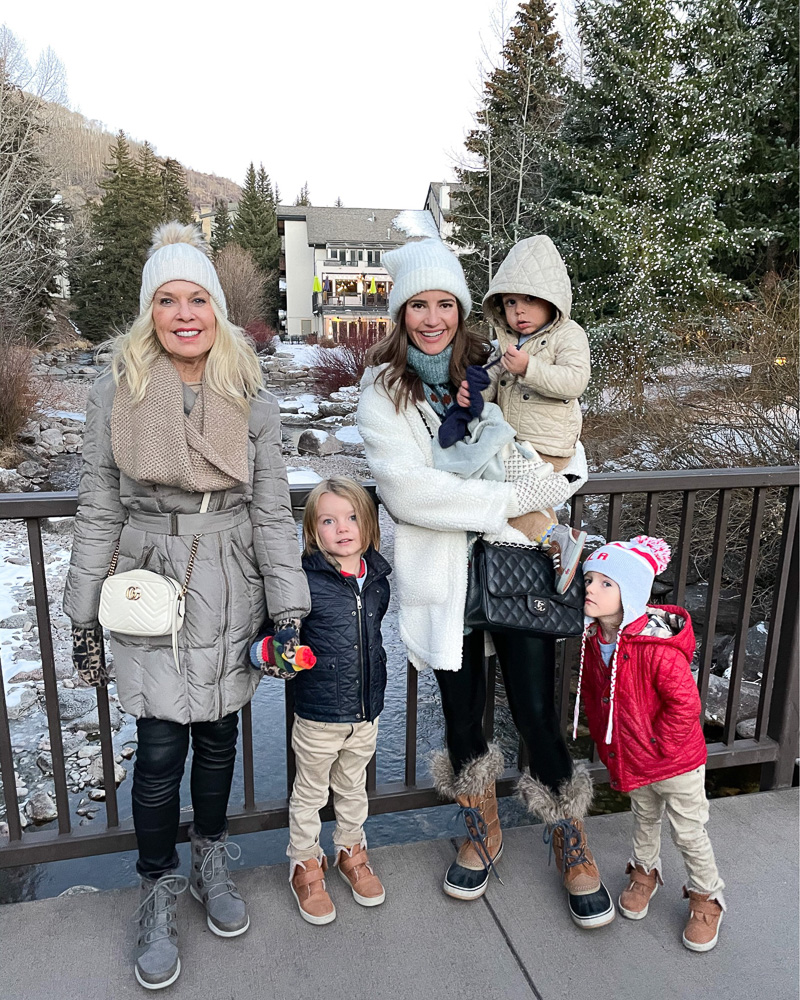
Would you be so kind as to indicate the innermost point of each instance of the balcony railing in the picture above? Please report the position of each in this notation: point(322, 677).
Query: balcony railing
point(326, 300)
point(665, 501)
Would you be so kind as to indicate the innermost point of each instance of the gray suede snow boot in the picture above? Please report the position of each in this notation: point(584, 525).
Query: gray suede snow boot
point(157, 961)
point(211, 884)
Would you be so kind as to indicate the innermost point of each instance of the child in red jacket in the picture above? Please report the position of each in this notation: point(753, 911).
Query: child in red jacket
point(643, 710)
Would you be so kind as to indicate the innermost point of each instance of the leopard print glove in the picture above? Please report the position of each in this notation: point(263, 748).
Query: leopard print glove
point(287, 632)
point(87, 655)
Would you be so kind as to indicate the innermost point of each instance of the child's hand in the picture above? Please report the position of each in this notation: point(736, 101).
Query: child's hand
point(462, 396)
point(514, 361)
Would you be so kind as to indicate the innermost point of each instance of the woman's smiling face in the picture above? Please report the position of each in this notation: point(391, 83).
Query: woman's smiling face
point(185, 323)
point(431, 320)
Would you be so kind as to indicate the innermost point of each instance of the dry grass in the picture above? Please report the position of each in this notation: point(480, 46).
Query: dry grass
point(17, 398)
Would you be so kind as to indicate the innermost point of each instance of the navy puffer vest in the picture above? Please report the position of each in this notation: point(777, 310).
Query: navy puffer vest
point(348, 681)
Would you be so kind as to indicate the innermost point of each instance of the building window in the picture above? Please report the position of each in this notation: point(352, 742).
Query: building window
point(373, 257)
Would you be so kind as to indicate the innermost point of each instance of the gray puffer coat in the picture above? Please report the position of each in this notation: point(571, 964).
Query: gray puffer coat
point(239, 573)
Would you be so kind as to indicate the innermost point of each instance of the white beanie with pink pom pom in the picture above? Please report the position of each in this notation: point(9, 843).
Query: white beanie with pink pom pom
point(632, 566)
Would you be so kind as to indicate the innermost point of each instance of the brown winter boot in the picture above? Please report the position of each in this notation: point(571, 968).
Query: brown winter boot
point(701, 932)
point(355, 869)
point(474, 790)
point(590, 904)
point(581, 875)
point(307, 882)
point(635, 900)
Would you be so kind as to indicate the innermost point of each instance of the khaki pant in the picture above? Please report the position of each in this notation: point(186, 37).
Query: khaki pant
point(536, 525)
point(335, 755)
point(684, 800)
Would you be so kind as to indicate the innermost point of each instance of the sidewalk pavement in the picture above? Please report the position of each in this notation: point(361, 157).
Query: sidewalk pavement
point(516, 943)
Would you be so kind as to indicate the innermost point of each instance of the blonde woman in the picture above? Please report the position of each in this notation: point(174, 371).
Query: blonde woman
point(182, 441)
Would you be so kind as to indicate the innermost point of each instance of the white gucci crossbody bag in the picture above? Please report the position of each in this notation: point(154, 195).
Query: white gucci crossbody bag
point(140, 602)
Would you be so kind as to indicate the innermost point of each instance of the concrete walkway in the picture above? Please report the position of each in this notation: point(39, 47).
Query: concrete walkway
point(514, 944)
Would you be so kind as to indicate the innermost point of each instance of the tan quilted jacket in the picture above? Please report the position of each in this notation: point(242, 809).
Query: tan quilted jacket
point(541, 405)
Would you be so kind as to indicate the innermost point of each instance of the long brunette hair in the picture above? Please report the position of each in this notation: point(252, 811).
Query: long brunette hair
point(401, 381)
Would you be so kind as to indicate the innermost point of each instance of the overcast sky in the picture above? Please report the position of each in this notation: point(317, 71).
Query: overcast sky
point(367, 101)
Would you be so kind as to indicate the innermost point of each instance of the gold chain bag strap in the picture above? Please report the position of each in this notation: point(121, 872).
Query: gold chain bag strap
point(144, 603)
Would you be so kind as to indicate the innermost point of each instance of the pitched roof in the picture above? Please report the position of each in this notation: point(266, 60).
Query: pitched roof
point(346, 225)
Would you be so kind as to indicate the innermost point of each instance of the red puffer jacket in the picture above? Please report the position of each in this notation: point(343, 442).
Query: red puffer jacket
point(656, 726)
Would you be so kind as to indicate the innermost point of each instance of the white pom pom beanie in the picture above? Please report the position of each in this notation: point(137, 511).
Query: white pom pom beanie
point(424, 266)
point(178, 254)
point(632, 566)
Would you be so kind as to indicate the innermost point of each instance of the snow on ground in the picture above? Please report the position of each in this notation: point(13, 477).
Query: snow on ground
point(349, 435)
point(302, 477)
point(63, 414)
point(416, 222)
point(299, 352)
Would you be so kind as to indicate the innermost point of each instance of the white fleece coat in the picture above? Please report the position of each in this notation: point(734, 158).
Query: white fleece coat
point(434, 510)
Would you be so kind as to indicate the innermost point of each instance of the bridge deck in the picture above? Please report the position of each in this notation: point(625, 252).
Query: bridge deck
point(516, 943)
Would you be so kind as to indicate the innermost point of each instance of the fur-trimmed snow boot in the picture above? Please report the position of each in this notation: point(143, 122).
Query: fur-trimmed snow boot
point(473, 788)
point(590, 904)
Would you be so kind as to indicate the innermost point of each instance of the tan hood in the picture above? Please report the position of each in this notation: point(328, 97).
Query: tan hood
point(533, 267)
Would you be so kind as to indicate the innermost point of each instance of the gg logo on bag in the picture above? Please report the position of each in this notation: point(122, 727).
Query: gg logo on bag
point(133, 593)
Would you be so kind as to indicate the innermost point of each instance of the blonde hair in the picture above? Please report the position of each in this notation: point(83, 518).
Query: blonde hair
point(363, 505)
point(232, 369)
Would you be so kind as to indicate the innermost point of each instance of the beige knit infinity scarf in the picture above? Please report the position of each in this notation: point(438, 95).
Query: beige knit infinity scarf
point(154, 441)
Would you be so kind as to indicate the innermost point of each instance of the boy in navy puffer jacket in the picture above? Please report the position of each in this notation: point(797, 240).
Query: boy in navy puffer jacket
point(338, 702)
point(643, 710)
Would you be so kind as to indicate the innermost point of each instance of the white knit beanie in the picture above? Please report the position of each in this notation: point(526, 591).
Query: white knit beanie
point(424, 266)
point(179, 253)
point(632, 566)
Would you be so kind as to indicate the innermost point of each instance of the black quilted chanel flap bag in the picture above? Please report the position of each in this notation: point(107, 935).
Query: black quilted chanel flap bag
point(511, 588)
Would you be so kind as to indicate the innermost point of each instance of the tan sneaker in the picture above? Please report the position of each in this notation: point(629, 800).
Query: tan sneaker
point(701, 932)
point(634, 901)
point(581, 874)
point(307, 882)
point(355, 869)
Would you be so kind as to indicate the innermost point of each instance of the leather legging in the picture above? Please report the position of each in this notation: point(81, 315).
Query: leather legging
point(157, 772)
point(528, 668)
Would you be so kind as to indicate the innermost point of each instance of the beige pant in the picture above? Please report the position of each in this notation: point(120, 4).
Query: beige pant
point(536, 524)
point(335, 755)
point(684, 800)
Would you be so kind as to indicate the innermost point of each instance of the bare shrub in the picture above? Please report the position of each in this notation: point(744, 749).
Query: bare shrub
point(264, 338)
point(17, 398)
point(243, 284)
point(728, 401)
point(341, 365)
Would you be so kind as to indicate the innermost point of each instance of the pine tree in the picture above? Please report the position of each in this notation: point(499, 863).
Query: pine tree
point(175, 192)
point(752, 46)
point(652, 139)
point(256, 229)
point(222, 228)
point(338, 203)
point(303, 198)
point(505, 188)
point(106, 282)
point(150, 187)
